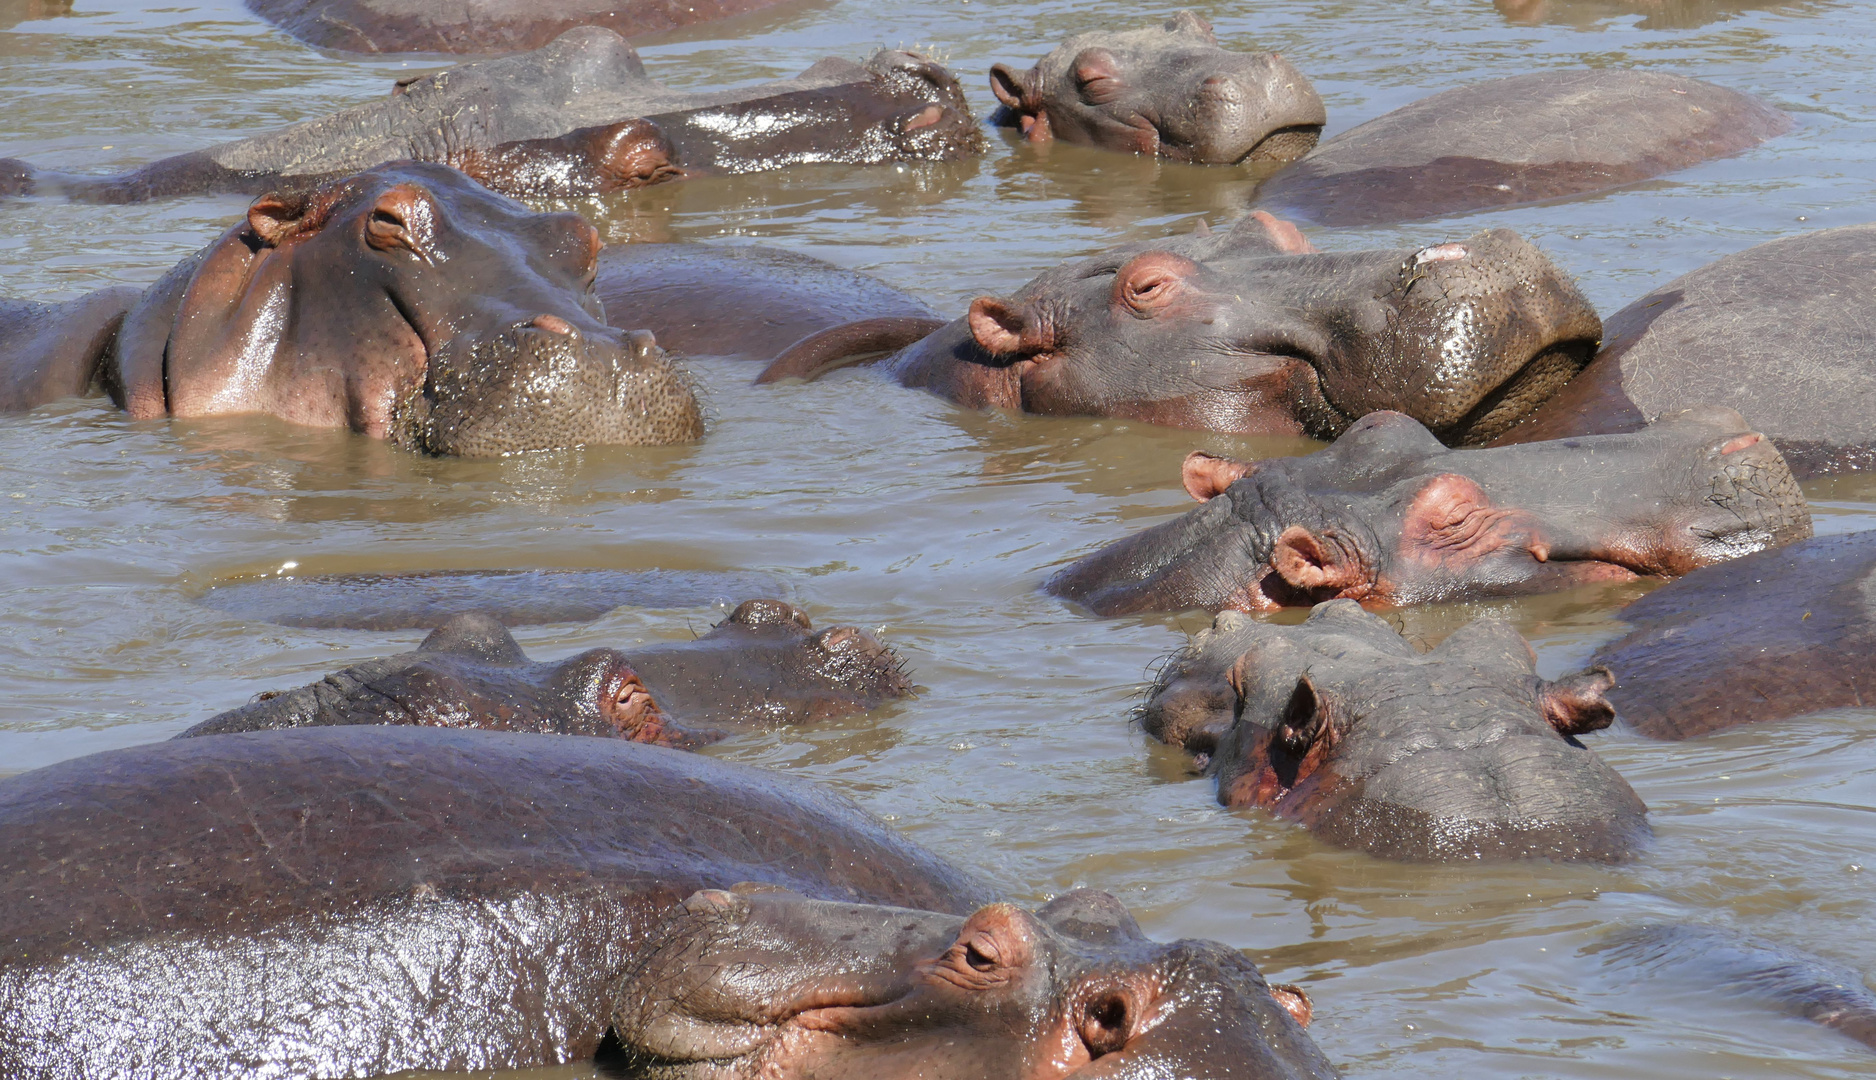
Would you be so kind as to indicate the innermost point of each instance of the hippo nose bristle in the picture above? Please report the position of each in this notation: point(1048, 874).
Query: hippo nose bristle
point(554, 324)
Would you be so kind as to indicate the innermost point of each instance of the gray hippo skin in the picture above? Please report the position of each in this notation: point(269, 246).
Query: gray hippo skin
point(1252, 330)
point(1462, 753)
point(480, 26)
point(407, 303)
point(1165, 90)
point(575, 117)
point(748, 301)
point(763, 664)
point(1525, 139)
point(1785, 330)
point(1749, 967)
point(1387, 515)
point(1773, 635)
point(50, 351)
point(1655, 14)
point(422, 599)
point(360, 901)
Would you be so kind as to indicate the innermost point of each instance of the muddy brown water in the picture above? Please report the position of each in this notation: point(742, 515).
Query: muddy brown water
point(893, 509)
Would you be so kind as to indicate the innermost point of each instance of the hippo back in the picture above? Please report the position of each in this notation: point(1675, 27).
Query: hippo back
point(356, 901)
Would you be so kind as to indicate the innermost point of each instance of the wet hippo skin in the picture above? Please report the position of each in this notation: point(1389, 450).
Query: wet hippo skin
point(421, 600)
point(1253, 330)
point(407, 303)
point(748, 301)
point(1773, 635)
point(1711, 958)
point(763, 664)
point(360, 901)
point(1784, 331)
point(1387, 515)
point(1166, 90)
point(578, 116)
point(1462, 753)
point(1519, 140)
point(479, 26)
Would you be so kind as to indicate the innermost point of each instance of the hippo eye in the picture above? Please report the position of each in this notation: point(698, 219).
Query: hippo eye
point(980, 954)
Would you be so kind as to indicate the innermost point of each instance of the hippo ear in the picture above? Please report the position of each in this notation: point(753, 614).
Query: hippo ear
point(1010, 88)
point(1575, 704)
point(272, 217)
point(1311, 562)
point(1294, 1002)
point(1097, 76)
point(1003, 328)
point(1207, 475)
point(1282, 235)
point(1191, 24)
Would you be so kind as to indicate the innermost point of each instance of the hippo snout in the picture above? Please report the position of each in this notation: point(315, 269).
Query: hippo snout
point(1261, 110)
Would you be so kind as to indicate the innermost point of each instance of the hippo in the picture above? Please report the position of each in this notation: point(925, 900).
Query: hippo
point(1655, 14)
point(748, 301)
point(1519, 140)
point(763, 664)
point(1251, 330)
point(1462, 753)
point(578, 116)
point(480, 26)
point(1782, 329)
point(1710, 958)
point(422, 599)
point(407, 302)
point(1388, 516)
point(1773, 635)
point(1167, 90)
point(357, 901)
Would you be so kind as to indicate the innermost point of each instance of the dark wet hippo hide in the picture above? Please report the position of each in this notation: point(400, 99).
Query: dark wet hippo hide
point(1387, 515)
point(1519, 140)
point(362, 901)
point(480, 26)
point(423, 599)
point(1773, 635)
point(1706, 958)
point(50, 351)
point(578, 116)
point(1459, 754)
point(1785, 332)
point(748, 301)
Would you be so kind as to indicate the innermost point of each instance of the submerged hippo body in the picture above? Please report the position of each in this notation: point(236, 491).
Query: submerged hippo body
point(748, 301)
point(1252, 330)
point(1524, 139)
point(1458, 754)
point(1387, 515)
point(576, 117)
point(407, 303)
point(480, 26)
point(1785, 330)
point(1773, 635)
point(363, 901)
point(762, 664)
point(1166, 90)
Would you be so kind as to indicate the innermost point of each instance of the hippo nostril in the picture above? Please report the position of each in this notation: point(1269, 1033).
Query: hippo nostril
point(1440, 253)
point(1104, 1025)
point(924, 118)
point(554, 324)
point(1222, 88)
point(643, 345)
point(834, 637)
point(1741, 442)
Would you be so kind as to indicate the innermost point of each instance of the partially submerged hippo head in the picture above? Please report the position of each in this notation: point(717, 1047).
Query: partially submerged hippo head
point(1252, 330)
point(759, 982)
point(767, 664)
point(470, 673)
point(409, 303)
point(1167, 90)
point(1389, 515)
point(1461, 753)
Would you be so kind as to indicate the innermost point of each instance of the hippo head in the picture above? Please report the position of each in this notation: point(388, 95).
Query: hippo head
point(1389, 515)
point(1462, 753)
point(410, 303)
point(757, 982)
point(1252, 330)
point(767, 664)
point(1167, 90)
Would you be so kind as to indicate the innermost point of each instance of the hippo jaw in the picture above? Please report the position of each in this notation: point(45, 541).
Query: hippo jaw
point(1459, 754)
point(758, 982)
point(1169, 91)
point(545, 385)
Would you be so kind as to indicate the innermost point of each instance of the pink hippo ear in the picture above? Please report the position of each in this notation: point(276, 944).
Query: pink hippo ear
point(1207, 475)
point(1575, 704)
point(1286, 237)
point(1018, 94)
point(272, 217)
point(1294, 1002)
point(1314, 564)
point(1003, 328)
point(1009, 87)
point(1151, 281)
point(1097, 76)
